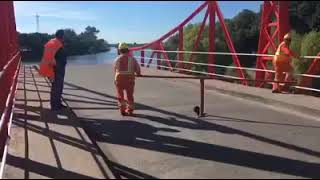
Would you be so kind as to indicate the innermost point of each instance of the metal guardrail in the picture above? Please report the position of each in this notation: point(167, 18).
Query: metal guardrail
point(9, 103)
point(202, 89)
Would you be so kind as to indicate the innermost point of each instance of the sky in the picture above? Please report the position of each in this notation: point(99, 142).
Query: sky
point(118, 21)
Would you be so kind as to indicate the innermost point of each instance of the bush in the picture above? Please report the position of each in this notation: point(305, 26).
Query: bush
point(296, 47)
point(310, 47)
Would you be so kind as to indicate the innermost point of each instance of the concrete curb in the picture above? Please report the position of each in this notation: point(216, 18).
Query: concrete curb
point(268, 101)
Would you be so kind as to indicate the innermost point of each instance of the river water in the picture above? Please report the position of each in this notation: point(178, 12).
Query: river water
point(100, 58)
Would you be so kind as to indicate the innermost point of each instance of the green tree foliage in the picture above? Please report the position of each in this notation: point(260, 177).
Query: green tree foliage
point(306, 45)
point(245, 35)
point(296, 47)
point(305, 16)
point(244, 29)
point(310, 46)
point(86, 42)
point(33, 42)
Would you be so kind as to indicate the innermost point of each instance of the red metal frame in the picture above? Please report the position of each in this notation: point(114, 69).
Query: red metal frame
point(166, 57)
point(268, 40)
point(142, 58)
point(212, 28)
point(10, 60)
point(197, 42)
point(212, 10)
point(181, 55)
point(314, 69)
point(151, 58)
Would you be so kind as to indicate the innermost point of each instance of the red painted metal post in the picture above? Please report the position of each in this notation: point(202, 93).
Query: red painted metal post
point(151, 58)
point(212, 29)
point(181, 55)
point(314, 69)
point(229, 43)
point(197, 42)
point(9, 67)
point(165, 54)
point(268, 43)
point(2, 36)
point(284, 25)
point(142, 58)
point(158, 60)
point(262, 47)
point(174, 30)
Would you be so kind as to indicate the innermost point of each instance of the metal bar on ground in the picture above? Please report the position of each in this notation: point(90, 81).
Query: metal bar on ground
point(230, 54)
point(204, 77)
point(233, 67)
point(202, 98)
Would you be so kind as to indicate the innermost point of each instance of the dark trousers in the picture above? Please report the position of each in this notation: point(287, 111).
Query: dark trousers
point(57, 86)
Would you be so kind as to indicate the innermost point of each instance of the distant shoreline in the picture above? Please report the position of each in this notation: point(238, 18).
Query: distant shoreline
point(37, 59)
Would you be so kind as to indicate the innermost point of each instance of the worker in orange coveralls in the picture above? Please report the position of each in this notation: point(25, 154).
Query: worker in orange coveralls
point(125, 67)
point(282, 65)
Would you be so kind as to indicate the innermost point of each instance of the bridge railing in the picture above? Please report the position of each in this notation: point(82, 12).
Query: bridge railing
point(212, 15)
point(8, 84)
point(10, 60)
point(302, 85)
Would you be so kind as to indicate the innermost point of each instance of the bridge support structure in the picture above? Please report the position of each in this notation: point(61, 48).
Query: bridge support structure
point(274, 25)
point(212, 12)
point(10, 61)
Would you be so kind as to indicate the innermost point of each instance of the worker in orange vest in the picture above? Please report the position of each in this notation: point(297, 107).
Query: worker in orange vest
point(53, 65)
point(282, 64)
point(48, 61)
point(125, 68)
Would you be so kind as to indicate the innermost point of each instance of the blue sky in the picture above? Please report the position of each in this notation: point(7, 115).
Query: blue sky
point(130, 21)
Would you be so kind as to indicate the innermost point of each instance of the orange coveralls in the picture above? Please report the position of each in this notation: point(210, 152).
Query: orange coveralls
point(48, 60)
point(282, 64)
point(125, 69)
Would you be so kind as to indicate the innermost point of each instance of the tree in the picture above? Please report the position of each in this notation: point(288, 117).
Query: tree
point(244, 29)
point(304, 16)
point(84, 43)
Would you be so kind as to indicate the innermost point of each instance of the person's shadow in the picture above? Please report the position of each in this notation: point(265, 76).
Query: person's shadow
point(148, 137)
point(124, 132)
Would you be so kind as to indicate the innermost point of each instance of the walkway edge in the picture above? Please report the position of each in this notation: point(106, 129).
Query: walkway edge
point(106, 160)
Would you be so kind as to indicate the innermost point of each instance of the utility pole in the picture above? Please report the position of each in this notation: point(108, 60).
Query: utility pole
point(37, 21)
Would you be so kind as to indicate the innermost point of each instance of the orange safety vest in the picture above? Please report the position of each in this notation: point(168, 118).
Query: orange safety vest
point(125, 68)
point(282, 55)
point(282, 59)
point(48, 59)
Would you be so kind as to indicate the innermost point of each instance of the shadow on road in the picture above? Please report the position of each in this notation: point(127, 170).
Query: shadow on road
point(29, 117)
point(140, 135)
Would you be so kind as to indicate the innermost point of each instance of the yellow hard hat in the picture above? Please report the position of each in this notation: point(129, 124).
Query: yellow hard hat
point(287, 36)
point(123, 46)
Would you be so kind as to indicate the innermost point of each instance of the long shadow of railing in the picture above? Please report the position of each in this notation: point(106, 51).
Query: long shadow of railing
point(23, 118)
point(111, 131)
point(39, 114)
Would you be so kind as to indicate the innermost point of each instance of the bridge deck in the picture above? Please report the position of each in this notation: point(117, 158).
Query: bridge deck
point(239, 138)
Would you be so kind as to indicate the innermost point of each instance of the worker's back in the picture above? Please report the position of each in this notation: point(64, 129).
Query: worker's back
point(125, 68)
point(48, 60)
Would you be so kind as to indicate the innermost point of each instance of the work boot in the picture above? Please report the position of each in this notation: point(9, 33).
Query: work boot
point(276, 91)
point(129, 112)
point(123, 112)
